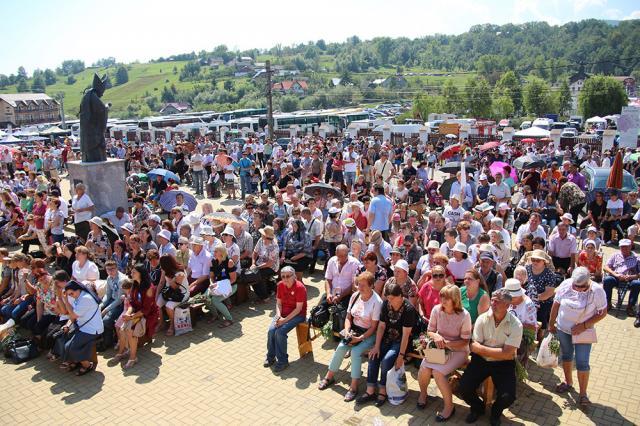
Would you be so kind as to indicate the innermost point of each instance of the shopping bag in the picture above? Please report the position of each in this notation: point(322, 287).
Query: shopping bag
point(397, 389)
point(545, 357)
point(182, 321)
point(222, 288)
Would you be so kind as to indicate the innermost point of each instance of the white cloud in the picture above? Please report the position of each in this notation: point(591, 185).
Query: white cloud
point(633, 15)
point(613, 13)
point(580, 5)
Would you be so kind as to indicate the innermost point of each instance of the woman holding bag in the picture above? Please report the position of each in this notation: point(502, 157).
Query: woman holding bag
point(578, 305)
point(174, 290)
point(397, 319)
point(449, 328)
point(221, 273)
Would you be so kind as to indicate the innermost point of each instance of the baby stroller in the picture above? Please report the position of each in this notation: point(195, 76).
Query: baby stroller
point(433, 195)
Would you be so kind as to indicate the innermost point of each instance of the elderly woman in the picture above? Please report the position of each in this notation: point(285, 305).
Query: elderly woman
point(266, 262)
point(297, 248)
point(174, 290)
point(82, 211)
point(459, 263)
point(525, 310)
point(578, 305)
point(84, 312)
point(475, 295)
point(83, 268)
point(541, 282)
point(591, 259)
point(222, 268)
point(429, 293)
point(449, 328)
point(370, 264)
point(397, 319)
point(401, 277)
point(363, 314)
point(291, 310)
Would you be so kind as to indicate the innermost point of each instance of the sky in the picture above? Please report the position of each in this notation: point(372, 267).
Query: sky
point(43, 33)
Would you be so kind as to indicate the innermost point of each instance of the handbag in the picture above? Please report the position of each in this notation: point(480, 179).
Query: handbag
point(589, 335)
point(140, 327)
point(22, 350)
point(435, 355)
point(223, 288)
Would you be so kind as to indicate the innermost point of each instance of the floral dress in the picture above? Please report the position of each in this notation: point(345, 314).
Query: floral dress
point(101, 241)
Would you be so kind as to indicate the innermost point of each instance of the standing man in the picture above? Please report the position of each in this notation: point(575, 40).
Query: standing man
point(496, 338)
point(197, 169)
point(350, 158)
point(245, 173)
point(380, 212)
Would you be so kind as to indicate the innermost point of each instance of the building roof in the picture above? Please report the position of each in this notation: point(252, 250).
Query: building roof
point(180, 106)
point(288, 84)
point(14, 98)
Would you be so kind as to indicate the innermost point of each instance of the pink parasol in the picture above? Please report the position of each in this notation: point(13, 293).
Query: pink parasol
point(489, 145)
point(528, 140)
point(498, 166)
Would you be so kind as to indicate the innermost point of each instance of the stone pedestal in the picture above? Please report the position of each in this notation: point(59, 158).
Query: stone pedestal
point(105, 182)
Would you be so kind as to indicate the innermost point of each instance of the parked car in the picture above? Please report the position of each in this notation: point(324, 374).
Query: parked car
point(569, 132)
point(596, 178)
point(525, 125)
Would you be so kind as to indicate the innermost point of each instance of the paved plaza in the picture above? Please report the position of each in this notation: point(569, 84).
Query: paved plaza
point(216, 376)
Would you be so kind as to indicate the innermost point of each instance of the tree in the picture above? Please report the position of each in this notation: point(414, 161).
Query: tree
point(70, 66)
point(122, 75)
point(601, 96)
point(384, 47)
point(71, 80)
point(22, 72)
point(167, 95)
point(50, 77)
point(502, 107)
point(105, 62)
point(22, 86)
point(425, 104)
point(537, 96)
point(37, 84)
point(228, 85)
point(564, 98)
point(320, 44)
point(288, 103)
point(451, 97)
point(478, 97)
point(509, 85)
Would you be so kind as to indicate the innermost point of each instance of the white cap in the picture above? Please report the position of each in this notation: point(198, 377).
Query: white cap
point(460, 247)
point(625, 242)
point(483, 177)
point(433, 244)
point(512, 285)
point(155, 218)
point(402, 264)
point(165, 234)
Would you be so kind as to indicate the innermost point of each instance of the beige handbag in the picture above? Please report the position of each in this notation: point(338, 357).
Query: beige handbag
point(435, 355)
point(587, 336)
point(140, 327)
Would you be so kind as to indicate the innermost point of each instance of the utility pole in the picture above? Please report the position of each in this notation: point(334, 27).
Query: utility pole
point(269, 101)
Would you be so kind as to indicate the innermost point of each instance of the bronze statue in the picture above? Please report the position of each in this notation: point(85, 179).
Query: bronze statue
point(93, 122)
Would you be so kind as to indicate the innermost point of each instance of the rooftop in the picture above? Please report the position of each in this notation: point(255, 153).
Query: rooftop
point(13, 98)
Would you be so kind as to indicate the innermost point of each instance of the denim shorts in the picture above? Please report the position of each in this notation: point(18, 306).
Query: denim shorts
point(568, 349)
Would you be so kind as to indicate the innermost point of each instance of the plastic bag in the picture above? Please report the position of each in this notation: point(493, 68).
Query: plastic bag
point(222, 288)
point(182, 321)
point(397, 389)
point(545, 357)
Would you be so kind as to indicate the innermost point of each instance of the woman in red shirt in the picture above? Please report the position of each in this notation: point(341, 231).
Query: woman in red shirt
point(429, 293)
point(591, 259)
point(291, 310)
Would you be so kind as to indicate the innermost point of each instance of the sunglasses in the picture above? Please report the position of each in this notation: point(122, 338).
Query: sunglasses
point(537, 260)
point(285, 276)
point(438, 275)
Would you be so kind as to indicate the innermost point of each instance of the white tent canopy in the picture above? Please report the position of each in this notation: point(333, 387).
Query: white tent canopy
point(532, 132)
point(596, 119)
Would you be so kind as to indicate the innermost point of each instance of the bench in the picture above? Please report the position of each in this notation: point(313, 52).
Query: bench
point(305, 346)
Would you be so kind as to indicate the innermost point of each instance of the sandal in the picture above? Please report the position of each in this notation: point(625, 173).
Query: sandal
point(68, 366)
point(225, 324)
point(584, 400)
point(382, 398)
point(325, 383)
point(130, 363)
point(84, 370)
point(564, 388)
point(169, 332)
point(120, 357)
point(350, 396)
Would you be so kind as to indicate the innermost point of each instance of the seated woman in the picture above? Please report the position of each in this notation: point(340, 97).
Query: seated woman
point(370, 264)
point(174, 290)
point(525, 310)
point(591, 259)
point(83, 269)
point(450, 328)
point(45, 312)
point(459, 262)
point(429, 293)
point(475, 295)
point(222, 268)
point(84, 312)
point(143, 305)
point(297, 248)
point(120, 256)
point(397, 319)
point(266, 262)
point(363, 314)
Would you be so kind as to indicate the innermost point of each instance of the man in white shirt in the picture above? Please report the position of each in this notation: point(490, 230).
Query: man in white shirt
point(464, 194)
point(531, 227)
point(197, 170)
point(341, 270)
point(82, 211)
point(383, 167)
point(453, 212)
point(499, 191)
point(198, 267)
point(350, 158)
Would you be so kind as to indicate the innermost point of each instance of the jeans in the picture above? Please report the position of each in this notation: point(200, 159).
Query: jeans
point(503, 374)
point(15, 311)
point(108, 322)
point(568, 348)
point(356, 356)
point(198, 178)
point(277, 340)
point(384, 362)
point(609, 282)
point(245, 184)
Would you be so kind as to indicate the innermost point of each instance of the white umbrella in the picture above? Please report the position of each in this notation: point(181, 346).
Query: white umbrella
point(451, 136)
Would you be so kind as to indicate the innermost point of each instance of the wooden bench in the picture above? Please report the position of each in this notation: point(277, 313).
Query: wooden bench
point(487, 389)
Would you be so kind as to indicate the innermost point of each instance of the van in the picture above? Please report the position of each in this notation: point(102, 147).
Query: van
point(525, 125)
point(543, 123)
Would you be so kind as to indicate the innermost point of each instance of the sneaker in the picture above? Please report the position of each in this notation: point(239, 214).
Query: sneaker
point(268, 362)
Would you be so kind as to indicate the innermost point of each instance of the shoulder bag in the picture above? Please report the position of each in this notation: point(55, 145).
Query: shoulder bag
point(589, 335)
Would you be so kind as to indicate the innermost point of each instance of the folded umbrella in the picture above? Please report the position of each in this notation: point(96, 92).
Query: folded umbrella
point(166, 175)
point(168, 200)
point(614, 181)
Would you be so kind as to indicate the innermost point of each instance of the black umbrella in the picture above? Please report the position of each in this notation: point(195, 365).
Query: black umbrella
point(445, 188)
point(326, 190)
point(454, 167)
point(527, 162)
point(111, 232)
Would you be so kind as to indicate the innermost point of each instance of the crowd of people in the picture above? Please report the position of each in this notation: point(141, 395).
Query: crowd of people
point(503, 254)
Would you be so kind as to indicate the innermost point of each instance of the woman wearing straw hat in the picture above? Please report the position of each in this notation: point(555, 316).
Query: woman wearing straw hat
point(266, 261)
